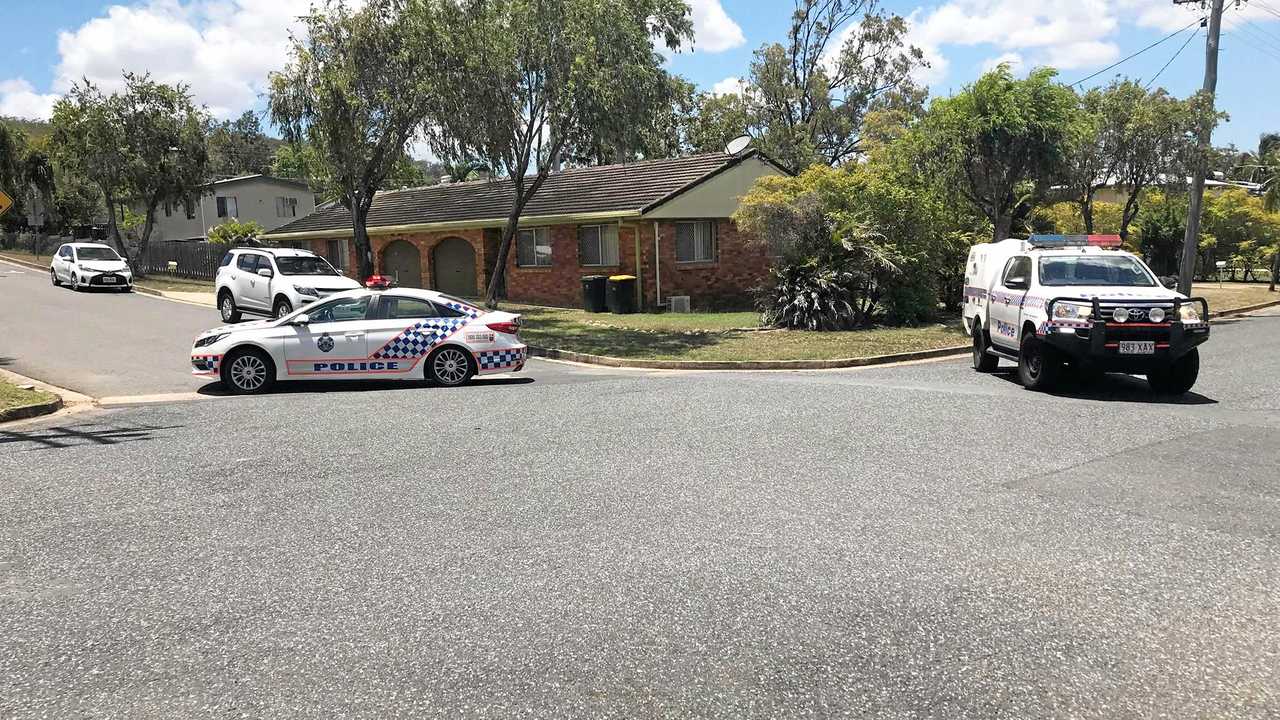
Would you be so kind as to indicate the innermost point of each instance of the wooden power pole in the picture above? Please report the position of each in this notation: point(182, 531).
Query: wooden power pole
point(1190, 241)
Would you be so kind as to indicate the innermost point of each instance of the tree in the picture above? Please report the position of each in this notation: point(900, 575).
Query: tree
point(144, 146)
point(1090, 159)
point(532, 78)
point(238, 147)
point(809, 97)
point(1162, 224)
point(999, 139)
point(235, 232)
point(356, 88)
point(716, 120)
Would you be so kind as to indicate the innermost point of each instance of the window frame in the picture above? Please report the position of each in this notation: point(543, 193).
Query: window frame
point(224, 208)
point(320, 306)
point(713, 230)
point(545, 234)
point(599, 228)
point(383, 305)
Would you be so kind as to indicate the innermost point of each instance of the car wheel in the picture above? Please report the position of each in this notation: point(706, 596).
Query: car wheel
point(227, 306)
point(75, 282)
point(983, 361)
point(282, 308)
point(450, 366)
point(53, 275)
point(245, 372)
point(1179, 377)
point(1039, 366)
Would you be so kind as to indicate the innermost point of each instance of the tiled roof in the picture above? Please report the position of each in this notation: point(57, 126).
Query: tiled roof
point(603, 188)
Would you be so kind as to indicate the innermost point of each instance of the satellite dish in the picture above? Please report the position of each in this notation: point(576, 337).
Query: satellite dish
point(738, 144)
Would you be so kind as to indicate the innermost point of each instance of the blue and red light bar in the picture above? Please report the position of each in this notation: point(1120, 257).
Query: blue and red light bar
point(1047, 241)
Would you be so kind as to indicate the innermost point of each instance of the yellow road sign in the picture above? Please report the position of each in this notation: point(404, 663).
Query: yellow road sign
point(6, 202)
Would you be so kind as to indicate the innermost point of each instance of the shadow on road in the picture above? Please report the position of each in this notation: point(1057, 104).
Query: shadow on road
point(63, 437)
point(1113, 387)
point(292, 387)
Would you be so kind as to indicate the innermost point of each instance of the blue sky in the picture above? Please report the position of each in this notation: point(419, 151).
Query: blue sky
point(224, 48)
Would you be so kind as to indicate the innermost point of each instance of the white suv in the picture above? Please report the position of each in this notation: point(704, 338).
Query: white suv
point(274, 281)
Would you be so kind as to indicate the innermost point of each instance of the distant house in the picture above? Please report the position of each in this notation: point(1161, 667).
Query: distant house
point(1115, 192)
point(271, 201)
point(665, 221)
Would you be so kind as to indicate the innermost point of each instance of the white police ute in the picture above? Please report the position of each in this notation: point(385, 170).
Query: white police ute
point(90, 265)
point(1054, 303)
point(406, 334)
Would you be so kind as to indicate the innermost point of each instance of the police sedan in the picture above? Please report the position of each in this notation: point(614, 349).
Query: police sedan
point(403, 334)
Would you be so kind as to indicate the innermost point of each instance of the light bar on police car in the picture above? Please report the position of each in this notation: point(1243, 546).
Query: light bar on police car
point(1047, 241)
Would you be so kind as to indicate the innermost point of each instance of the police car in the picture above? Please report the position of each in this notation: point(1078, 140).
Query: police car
point(404, 334)
point(1058, 302)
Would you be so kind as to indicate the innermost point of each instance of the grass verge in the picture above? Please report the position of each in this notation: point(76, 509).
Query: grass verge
point(12, 396)
point(1234, 295)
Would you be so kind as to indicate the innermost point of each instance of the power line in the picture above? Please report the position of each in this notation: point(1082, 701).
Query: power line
point(1266, 8)
point(1194, 34)
point(1121, 61)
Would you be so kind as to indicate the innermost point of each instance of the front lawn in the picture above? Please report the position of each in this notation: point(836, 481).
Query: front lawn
point(716, 336)
point(1233, 295)
point(166, 283)
point(12, 396)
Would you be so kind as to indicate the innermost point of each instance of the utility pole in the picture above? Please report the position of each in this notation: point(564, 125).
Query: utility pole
point(1190, 242)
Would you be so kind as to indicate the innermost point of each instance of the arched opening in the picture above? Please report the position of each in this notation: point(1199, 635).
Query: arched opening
point(453, 262)
point(402, 261)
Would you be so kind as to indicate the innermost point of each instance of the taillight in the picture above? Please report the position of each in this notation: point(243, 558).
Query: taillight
point(510, 328)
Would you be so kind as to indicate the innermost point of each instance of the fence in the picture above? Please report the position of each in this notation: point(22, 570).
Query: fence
point(198, 260)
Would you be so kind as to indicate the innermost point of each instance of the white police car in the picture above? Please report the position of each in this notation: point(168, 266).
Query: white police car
point(404, 334)
point(90, 265)
point(1054, 302)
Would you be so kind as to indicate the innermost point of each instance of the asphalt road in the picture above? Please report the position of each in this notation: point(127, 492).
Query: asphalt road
point(909, 542)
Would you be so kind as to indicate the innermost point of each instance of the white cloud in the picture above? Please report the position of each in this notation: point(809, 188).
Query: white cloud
point(19, 99)
point(223, 49)
point(1012, 59)
point(729, 86)
point(714, 31)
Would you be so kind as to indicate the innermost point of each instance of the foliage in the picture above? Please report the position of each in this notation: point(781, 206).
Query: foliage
point(1245, 233)
point(1066, 218)
point(142, 146)
point(717, 119)
point(357, 85)
point(235, 232)
point(531, 79)
point(239, 147)
point(842, 58)
point(995, 136)
point(1162, 225)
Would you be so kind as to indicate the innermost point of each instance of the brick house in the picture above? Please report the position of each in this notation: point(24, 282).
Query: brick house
point(665, 221)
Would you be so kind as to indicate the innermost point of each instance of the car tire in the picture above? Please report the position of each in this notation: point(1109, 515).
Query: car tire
point(983, 361)
point(1039, 367)
point(75, 282)
point(248, 371)
point(1179, 377)
point(227, 306)
point(281, 308)
point(53, 275)
point(450, 366)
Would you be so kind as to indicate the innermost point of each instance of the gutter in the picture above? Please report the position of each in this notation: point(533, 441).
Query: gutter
point(525, 221)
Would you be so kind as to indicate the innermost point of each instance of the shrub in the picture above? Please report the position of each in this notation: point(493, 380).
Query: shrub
point(234, 232)
point(808, 296)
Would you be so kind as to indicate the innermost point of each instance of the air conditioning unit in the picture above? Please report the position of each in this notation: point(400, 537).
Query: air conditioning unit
point(679, 303)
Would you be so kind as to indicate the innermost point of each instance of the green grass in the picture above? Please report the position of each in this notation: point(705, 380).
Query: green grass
point(1233, 295)
point(711, 336)
point(26, 256)
point(167, 283)
point(11, 396)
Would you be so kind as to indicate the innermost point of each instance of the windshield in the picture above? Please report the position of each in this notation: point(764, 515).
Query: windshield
point(1094, 270)
point(96, 253)
point(304, 265)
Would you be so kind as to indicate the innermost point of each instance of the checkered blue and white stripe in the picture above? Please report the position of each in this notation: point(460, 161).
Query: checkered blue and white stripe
point(495, 359)
point(417, 340)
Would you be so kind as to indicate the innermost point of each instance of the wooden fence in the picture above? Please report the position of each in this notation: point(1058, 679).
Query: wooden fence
point(198, 260)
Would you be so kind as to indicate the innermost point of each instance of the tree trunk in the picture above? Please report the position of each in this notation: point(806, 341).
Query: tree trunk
point(113, 229)
point(498, 278)
point(1086, 213)
point(144, 240)
point(1275, 268)
point(364, 252)
point(1001, 227)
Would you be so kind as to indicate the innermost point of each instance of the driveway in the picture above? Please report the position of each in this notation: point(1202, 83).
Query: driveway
point(918, 541)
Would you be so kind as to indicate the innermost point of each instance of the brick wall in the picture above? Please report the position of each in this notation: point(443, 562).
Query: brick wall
point(561, 283)
point(725, 282)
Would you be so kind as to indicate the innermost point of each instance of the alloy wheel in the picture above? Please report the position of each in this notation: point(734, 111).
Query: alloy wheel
point(248, 372)
point(227, 308)
point(450, 366)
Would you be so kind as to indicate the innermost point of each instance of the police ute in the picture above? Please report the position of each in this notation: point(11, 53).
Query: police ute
point(1061, 303)
point(405, 334)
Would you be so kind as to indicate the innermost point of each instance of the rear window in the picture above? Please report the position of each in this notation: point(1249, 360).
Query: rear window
point(248, 262)
point(226, 260)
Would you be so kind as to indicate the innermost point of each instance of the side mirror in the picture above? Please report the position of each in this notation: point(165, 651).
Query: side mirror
point(1169, 282)
point(265, 272)
point(303, 319)
point(1017, 282)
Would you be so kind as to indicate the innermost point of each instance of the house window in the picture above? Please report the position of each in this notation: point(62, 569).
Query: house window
point(696, 241)
point(598, 245)
point(533, 248)
point(286, 207)
point(333, 252)
point(227, 206)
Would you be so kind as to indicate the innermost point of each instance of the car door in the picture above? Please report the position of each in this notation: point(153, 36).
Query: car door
point(61, 265)
point(332, 343)
point(406, 328)
point(1005, 303)
point(252, 290)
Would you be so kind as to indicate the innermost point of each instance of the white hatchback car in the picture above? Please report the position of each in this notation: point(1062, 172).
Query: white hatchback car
point(274, 281)
point(405, 334)
point(90, 265)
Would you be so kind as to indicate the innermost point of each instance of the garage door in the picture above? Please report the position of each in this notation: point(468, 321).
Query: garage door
point(402, 261)
point(454, 264)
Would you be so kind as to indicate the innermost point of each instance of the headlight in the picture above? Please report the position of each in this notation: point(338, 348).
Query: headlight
point(1189, 313)
point(207, 341)
point(1071, 311)
point(1156, 315)
point(306, 291)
